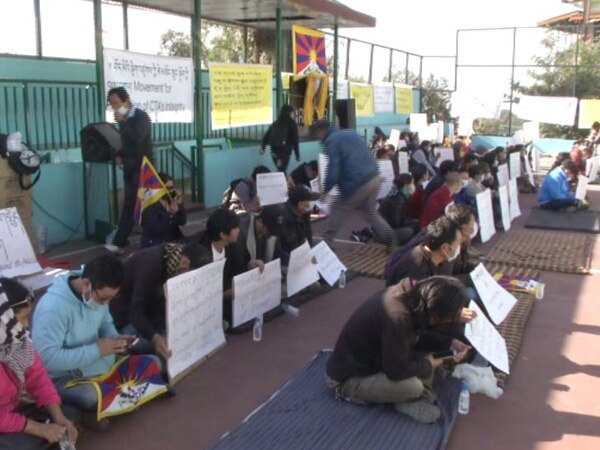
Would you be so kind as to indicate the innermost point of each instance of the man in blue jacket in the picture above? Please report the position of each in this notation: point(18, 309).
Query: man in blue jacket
point(556, 189)
point(352, 167)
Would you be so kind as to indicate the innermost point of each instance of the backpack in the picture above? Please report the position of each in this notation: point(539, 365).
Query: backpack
point(227, 202)
point(24, 162)
point(278, 134)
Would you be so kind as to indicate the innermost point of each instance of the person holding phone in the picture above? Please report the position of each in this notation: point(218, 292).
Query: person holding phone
point(384, 352)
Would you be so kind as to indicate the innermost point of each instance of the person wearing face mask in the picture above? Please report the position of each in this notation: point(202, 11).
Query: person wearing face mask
point(437, 202)
point(556, 192)
point(161, 220)
point(394, 208)
point(439, 179)
point(296, 220)
point(26, 425)
point(424, 155)
point(135, 128)
point(75, 334)
point(421, 180)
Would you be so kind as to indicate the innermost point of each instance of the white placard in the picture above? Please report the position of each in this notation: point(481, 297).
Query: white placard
point(271, 188)
point(503, 174)
point(194, 316)
point(591, 168)
point(446, 154)
point(514, 160)
point(582, 183)
point(497, 300)
point(485, 338)
point(440, 131)
point(394, 137)
point(504, 206)
point(418, 123)
point(531, 131)
point(403, 162)
point(256, 293)
point(386, 171)
point(343, 89)
point(384, 98)
point(301, 270)
point(432, 133)
point(513, 199)
point(163, 86)
point(328, 264)
point(16, 253)
point(486, 215)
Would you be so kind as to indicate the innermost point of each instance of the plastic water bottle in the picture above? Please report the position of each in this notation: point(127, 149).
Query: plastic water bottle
point(291, 310)
point(342, 279)
point(257, 330)
point(463, 399)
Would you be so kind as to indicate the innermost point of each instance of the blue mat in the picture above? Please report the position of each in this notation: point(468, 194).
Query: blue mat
point(304, 414)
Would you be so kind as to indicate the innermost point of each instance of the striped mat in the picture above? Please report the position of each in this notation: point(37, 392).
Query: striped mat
point(304, 414)
point(554, 251)
point(367, 260)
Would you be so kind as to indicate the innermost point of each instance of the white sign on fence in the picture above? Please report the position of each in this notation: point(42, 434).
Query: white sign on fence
point(384, 98)
point(16, 253)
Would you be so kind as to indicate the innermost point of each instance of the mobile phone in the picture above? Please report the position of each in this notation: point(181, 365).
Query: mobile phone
point(133, 342)
point(446, 354)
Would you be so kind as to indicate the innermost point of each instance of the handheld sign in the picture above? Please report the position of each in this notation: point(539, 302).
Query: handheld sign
point(497, 300)
point(503, 174)
point(504, 206)
point(485, 338)
point(256, 293)
point(194, 317)
point(403, 162)
point(271, 188)
point(446, 154)
point(328, 264)
point(582, 184)
point(394, 137)
point(16, 253)
point(386, 170)
point(513, 198)
point(486, 215)
point(591, 168)
point(515, 165)
point(301, 270)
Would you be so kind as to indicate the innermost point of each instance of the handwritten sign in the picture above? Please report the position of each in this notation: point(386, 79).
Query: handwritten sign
point(513, 198)
point(256, 293)
point(591, 168)
point(503, 174)
point(384, 98)
point(403, 162)
point(363, 99)
point(394, 137)
point(446, 154)
point(485, 338)
point(241, 95)
point(514, 160)
point(194, 316)
point(328, 264)
point(271, 188)
point(486, 215)
point(404, 99)
point(163, 86)
point(504, 206)
point(497, 300)
point(16, 253)
point(582, 184)
point(301, 271)
point(386, 170)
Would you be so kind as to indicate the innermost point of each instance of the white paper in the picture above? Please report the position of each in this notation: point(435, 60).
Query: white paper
point(432, 133)
point(16, 253)
point(555, 110)
point(504, 206)
point(403, 162)
point(582, 183)
point(301, 271)
point(485, 338)
point(271, 188)
point(386, 171)
point(513, 199)
point(394, 137)
point(384, 98)
point(503, 174)
point(256, 293)
point(194, 316)
point(446, 154)
point(514, 160)
point(497, 300)
point(528, 167)
point(328, 264)
point(486, 215)
point(591, 168)
point(531, 131)
point(418, 123)
point(440, 131)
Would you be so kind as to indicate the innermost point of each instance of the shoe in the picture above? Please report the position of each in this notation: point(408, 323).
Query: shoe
point(420, 410)
point(89, 421)
point(355, 236)
point(114, 249)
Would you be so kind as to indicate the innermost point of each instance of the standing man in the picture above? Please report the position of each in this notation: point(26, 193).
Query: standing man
point(354, 170)
point(282, 137)
point(136, 136)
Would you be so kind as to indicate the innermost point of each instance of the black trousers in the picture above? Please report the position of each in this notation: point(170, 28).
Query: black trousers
point(281, 158)
point(131, 179)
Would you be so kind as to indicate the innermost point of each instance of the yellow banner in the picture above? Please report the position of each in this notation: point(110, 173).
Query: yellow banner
point(589, 112)
point(241, 95)
point(404, 100)
point(363, 98)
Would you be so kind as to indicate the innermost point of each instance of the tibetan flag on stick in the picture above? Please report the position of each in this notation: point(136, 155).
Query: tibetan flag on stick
point(150, 190)
point(309, 51)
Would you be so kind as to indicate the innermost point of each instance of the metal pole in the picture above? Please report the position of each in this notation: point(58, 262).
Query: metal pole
point(575, 81)
point(371, 63)
point(245, 45)
point(406, 70)
point(512, 82)
point(335, 72)
point(390, 66)
point(278, 83)
point(125, 25)
point(198, 103)
point(456, 62)
point(347, 57)
point(38, 27)
point(421, 84)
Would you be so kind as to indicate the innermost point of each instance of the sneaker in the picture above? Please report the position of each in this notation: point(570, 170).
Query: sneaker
point(90, 421)
point(355, 237)
point(420, 410)
point(114, 249)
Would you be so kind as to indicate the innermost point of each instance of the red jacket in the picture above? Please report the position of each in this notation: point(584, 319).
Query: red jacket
point(415, 203)
point(435, 205)
point(37, 384)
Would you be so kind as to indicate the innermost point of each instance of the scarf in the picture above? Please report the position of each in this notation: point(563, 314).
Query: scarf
point(16, 349)
point(172, 257)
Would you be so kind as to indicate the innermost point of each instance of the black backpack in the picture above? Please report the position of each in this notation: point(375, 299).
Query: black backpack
point(26, 162)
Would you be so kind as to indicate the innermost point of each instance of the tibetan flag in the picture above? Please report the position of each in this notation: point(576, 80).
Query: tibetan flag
point(150, 190)
point(131, 382)
point(309, 51)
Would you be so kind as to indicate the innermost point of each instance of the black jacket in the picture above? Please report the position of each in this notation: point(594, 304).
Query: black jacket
point(289, 128)
point(159, 225)
point(136, 137)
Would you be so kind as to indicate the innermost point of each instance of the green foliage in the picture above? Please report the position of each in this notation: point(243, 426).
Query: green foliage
point(436, 94)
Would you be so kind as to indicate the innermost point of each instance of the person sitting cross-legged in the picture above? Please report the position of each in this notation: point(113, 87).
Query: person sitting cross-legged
point(556, 192)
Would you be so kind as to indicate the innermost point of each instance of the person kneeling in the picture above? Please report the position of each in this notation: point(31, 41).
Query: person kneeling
point(381, 354)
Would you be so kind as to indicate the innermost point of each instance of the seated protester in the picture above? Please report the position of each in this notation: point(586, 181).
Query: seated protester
point(437, 202)
point(394, 208)
point(469, 160)
point(440, 178)
point(241, 193)
point(578, 155)
point(458, 148)
point(25, 425)
point(475, 184)
point(260, 233)
point(556, 192)
point(161, 220)
point(441, 243)
point(296, 221)
point(75, 334)
point(139, 308)
point(424, 155)
point(463, 216)
point(383, 352)
point(488, 180)
point(559, 159)
point(416, 202)
point(304, 173)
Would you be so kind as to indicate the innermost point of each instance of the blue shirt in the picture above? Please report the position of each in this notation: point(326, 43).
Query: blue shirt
point(555, 187)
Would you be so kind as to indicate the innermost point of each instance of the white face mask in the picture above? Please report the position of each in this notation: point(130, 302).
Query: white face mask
point(90, 302)
point(464, 183)
point(122, 111)
point(424, 183)
point(455, 254)
point(475, 231)
point(410, 189)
